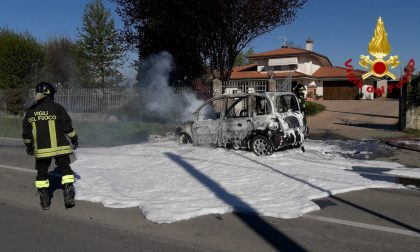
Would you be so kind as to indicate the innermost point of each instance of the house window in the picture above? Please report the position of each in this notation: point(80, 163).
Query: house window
point(285, 67)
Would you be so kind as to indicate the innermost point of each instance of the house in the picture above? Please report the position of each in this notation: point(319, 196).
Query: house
point(307, 67)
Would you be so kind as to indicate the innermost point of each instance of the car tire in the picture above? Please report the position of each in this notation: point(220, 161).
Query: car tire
point(184, 138)
point(261, 146)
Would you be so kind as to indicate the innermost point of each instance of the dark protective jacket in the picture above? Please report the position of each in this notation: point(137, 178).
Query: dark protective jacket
point(46, 125)
point(301, 99)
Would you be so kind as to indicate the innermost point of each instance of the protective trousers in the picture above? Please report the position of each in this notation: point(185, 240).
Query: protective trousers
point(63, 164)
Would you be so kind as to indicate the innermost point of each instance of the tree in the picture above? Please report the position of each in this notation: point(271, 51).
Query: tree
point(248, 53)
point(414, 91)
point(21, 58)
point(99, 44)
point(201, 35)
point(61, 62)
point(243, 58)
point(240, 59)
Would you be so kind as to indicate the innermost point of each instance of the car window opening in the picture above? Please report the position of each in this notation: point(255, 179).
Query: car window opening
point(284, 103)
point(236, 107)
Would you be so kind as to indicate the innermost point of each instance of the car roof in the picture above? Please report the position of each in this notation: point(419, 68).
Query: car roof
point(265, 94)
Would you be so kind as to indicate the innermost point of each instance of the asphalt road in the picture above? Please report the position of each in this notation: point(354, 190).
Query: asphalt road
point(367, 220)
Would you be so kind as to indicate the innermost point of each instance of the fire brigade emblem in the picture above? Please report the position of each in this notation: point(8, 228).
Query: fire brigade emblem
point(379, 48)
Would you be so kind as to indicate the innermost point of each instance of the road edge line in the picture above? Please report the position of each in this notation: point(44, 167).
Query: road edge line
point(363, 225)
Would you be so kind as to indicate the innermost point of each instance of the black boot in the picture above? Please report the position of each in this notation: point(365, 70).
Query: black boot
point(45, 198)
point(68, 192)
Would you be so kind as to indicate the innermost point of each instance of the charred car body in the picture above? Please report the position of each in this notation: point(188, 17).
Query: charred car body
point(263, 122)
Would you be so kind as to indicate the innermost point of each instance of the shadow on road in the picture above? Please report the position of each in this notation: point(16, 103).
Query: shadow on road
point(326, 134)
point(353, 113)
point(274, 237)
point(337, 198)
point(55, 181)
point(378, 174)
point(374, 173)
point(376, 214)
point(389, 127)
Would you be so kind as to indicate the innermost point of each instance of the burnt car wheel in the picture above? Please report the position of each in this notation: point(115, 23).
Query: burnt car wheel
point(184, 138)
point(261, 146)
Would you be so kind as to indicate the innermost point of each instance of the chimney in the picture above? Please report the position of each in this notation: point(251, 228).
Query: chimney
point(309, 44)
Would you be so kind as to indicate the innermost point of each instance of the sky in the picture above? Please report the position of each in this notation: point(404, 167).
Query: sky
point(340, 29)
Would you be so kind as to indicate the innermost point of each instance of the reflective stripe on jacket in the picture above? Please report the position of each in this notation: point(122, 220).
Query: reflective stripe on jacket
point(46, 125)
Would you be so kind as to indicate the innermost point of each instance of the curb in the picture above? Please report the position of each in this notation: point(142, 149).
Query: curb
point(401, 146)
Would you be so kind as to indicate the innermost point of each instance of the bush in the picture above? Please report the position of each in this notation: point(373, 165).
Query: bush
point(414, 92)
point(313, 108)
point(15, 101)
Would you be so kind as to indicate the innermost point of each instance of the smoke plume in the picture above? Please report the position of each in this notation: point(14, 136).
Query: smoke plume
point(158, 102)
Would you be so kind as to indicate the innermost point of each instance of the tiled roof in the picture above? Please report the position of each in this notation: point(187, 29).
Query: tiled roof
point(250, 72)
point(262, 75)
point(335, 72)
point(286, 51)
point(245, 67)
point(280, 51)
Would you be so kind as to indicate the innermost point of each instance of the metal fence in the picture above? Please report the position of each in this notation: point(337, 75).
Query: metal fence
point(102, 100)
point(255, 86)
point(84, 100)
point(244, 86)
point(94, 100)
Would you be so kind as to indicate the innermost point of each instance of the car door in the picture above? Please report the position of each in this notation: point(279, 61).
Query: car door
point(206, 128)
point(236, 122)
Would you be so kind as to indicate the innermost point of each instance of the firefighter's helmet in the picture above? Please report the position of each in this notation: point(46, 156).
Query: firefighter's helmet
point(300, 88)
point(45, 88)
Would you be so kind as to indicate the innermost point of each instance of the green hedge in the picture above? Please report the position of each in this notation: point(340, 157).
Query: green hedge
point(313, 108)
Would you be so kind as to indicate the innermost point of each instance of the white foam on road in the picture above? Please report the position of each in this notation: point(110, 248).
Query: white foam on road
point(171, 182)
point(405, 172)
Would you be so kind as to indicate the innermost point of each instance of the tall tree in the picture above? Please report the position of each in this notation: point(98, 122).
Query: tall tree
point(248, 53)
point(99, 44)
point(206, 34)
point(242, 58)
point(60, 61)
point(21, 58)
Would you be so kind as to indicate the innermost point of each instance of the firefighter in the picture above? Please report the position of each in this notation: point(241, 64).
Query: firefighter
point(45, 127)
point(299, 92)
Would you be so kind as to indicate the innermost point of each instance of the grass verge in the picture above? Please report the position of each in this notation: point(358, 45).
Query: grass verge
point(97, 133)
point(10, 126)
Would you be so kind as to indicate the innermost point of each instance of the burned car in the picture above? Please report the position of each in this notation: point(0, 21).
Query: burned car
point(261, 122)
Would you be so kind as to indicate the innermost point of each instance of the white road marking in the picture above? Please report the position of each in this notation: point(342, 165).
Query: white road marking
point(363, 225)
point(16, 168)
